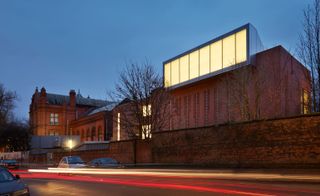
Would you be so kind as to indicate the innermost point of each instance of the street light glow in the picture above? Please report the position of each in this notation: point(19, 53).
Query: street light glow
point(70, 143)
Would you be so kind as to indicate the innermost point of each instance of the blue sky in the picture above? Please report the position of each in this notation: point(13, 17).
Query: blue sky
point(84, 44)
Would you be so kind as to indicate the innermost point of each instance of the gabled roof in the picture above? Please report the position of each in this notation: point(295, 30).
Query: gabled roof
point(56, 99)
point(108, 107)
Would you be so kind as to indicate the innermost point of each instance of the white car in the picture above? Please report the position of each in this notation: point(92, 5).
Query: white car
point(71, 162)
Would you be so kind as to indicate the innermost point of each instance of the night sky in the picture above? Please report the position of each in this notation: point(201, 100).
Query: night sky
point(84, 44)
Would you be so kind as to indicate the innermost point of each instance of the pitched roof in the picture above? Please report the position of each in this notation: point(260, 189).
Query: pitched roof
point(56, 99)
point(104, 108)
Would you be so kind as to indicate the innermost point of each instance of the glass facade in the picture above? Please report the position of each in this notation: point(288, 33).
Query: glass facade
point(212, 57)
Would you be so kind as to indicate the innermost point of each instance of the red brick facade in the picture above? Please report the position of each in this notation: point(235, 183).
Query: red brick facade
point(271, 87)
point(274, 85)
point(52, 114)
point(279, 143)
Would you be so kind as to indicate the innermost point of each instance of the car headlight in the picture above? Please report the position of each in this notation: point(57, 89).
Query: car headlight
point(24, 191)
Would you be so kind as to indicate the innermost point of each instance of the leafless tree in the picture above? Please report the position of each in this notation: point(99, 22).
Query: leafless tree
point(266, 80)
point(309, 49)
point(7, 99)
point(146, 101)
point(244, 91)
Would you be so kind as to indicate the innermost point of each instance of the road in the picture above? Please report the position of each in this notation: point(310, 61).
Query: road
point(114, 185)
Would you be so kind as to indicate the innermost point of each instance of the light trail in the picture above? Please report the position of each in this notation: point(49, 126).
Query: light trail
point(180, 173)
point(173, 182)
point(146, 184)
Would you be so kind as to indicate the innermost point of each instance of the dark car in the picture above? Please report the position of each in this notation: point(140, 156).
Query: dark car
point(9, 163)
point(104, 163)
point(12, 185)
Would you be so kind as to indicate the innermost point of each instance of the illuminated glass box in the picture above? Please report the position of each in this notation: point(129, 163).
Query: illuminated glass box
point(224, 53)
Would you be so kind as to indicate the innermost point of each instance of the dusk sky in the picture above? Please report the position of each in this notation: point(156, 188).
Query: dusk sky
point(84, 44)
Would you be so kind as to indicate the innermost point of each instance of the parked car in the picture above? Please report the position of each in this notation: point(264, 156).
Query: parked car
point(104, 163)
point(12, 185)
point(9, 163)
point(71, 162)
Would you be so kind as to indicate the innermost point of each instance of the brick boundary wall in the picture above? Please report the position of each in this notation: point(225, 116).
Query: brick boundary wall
point(278, 143)
point(121, 151)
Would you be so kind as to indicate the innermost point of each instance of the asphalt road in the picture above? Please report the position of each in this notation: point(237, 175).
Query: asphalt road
point(132, 185)
point(39, 187)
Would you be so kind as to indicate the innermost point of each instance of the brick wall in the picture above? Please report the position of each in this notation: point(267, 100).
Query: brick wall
point(121, 151)
point(279, 143)
point(291, 143)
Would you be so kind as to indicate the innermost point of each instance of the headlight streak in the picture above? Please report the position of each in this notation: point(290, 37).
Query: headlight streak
point(139, 176)
point(148, 184)
point(181, 173)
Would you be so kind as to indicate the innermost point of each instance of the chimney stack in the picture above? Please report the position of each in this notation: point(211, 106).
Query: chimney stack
point(72, 97)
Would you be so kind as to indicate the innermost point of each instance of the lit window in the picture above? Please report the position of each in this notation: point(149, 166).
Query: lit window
point(146, 131)
point(204, 60)
point(118, 127)
point(184, 68)
point(167, 75)
point(241, 44)
point(229, 51)
point(146, 110)
point(211, 57)
point(175, 72)
point(194, 64)
point(216, 56)
point(304, 102)
point(54, 119)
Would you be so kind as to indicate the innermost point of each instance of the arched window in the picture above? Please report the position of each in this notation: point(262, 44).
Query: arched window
point(93, 134)
point(83, 135)
point(88, 135)
point(100, 135)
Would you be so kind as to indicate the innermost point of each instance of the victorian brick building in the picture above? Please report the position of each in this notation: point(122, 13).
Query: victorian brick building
point(53, 114)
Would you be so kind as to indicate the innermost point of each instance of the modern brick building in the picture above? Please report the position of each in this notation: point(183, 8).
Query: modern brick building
point(233, 78)
point(53, 114)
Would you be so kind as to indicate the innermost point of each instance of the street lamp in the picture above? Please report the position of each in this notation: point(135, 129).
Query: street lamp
point(70, 145)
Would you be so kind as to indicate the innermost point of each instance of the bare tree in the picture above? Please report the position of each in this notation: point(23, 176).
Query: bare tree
point(244, 91)
point(309, 49)
point(7, 99)
point(146, 102)
point(268, 81)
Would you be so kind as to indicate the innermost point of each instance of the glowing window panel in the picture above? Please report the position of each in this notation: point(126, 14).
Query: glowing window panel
point(146, 110)
point(229, 51)
point(216, 56)
point(204, 60)
point(175, 72)
point(167, 75)
point(212, 57)
point(194, 64)
point(241, 46)
point(184, 68)
point(146, 131)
